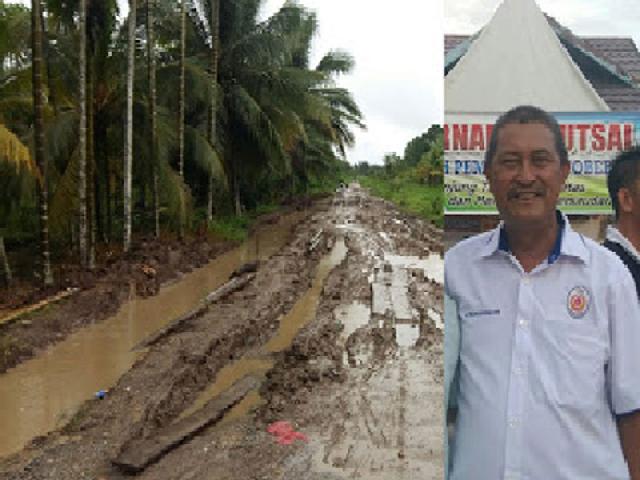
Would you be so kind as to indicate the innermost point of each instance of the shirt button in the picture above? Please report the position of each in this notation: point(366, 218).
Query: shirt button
point(525, 280)
point(517, 371)
point(522, 322)
point(513, 422)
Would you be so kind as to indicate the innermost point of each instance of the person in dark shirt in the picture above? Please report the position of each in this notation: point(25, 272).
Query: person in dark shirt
point(623, 182)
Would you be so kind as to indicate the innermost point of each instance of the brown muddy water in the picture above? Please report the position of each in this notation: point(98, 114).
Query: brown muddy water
point(302, 312)
point(45, 392)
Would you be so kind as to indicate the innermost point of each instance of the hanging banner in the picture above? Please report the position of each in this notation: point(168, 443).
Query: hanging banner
point(593, 141)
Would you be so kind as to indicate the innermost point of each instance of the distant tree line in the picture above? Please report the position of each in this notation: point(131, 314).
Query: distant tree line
point(422, 162)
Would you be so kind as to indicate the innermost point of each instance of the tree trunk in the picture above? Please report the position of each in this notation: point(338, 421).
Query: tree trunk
point(183, 45)
point(82, 166)
point(91, 169)
point(215, 54)
point(108, 197)
point(102, 176)
point(47, 57)
point(156, 202)
point(41, 161)
point(236, 189)
point(128, 145)
point(183, 50)
point(151, 57)
point(5, 263)
point(210, 199)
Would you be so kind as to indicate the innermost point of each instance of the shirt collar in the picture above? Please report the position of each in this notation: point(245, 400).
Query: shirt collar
point(614, 235)
point(568, 242)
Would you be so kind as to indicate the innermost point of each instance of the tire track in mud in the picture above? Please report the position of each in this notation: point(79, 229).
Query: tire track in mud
point(402, 421)
point(382, 420)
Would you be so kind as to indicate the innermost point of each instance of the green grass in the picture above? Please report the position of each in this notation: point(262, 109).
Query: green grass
point(235, 229)
point(419, 199)
point(263, 210)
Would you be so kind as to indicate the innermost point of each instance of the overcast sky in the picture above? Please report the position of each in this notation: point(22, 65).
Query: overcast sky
point(583, 17)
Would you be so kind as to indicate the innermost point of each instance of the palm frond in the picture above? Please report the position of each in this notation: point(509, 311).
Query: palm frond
point(259, 127)
point(61, 137)
point(275, 41)
point(175, 195)
point(199, 151)
point(197, 85)
point(14, 153)
point(64, 201)
point(336, 61)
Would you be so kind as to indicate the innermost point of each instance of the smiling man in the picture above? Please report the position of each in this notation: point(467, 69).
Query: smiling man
point(549, 328)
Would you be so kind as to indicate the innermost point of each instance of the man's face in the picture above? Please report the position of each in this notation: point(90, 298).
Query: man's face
point(525, 175)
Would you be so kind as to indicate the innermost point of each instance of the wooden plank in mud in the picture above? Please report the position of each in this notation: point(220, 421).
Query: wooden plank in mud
point(14, 315)
point(234, 284)
point(137, 455)
point(315, 240)
point(231, 286)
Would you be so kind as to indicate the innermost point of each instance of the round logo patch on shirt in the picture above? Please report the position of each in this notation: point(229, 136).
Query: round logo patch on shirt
point(578, 302)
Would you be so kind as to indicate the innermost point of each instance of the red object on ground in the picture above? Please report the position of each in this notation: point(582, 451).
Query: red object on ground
point(279, 428)
point(285, 434)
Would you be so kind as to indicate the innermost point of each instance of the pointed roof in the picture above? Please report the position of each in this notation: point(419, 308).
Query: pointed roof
point(517, 58)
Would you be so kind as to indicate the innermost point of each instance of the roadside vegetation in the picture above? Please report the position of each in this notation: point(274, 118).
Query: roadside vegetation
point(185, 116)
point(414, 182)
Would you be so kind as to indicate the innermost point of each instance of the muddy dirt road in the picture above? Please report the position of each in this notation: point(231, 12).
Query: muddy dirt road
point(322, 362)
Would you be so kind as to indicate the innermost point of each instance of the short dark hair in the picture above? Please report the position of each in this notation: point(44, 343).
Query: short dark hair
point(624, 172)
point(526, 114)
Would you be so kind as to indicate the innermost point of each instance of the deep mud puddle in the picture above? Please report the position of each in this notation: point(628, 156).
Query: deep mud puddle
point(303, 312)
point(45, 392)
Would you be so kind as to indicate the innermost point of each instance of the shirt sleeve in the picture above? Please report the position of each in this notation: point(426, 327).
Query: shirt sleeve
point(451, 345)
point(451, 355)
point(624, 361)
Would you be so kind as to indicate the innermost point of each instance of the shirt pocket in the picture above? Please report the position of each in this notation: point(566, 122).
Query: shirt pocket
point(575, 368)
point(481, 330)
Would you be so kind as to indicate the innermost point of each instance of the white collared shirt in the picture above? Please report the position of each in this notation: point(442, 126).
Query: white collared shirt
point(547, 359)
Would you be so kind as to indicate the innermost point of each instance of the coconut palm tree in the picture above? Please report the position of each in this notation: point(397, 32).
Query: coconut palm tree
point(128, 147)
point(82, 164)
point(181, 105)
point(151, 59)
point(41, 161)
point(263, 91)
point(273, 100)
point(215, 55)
